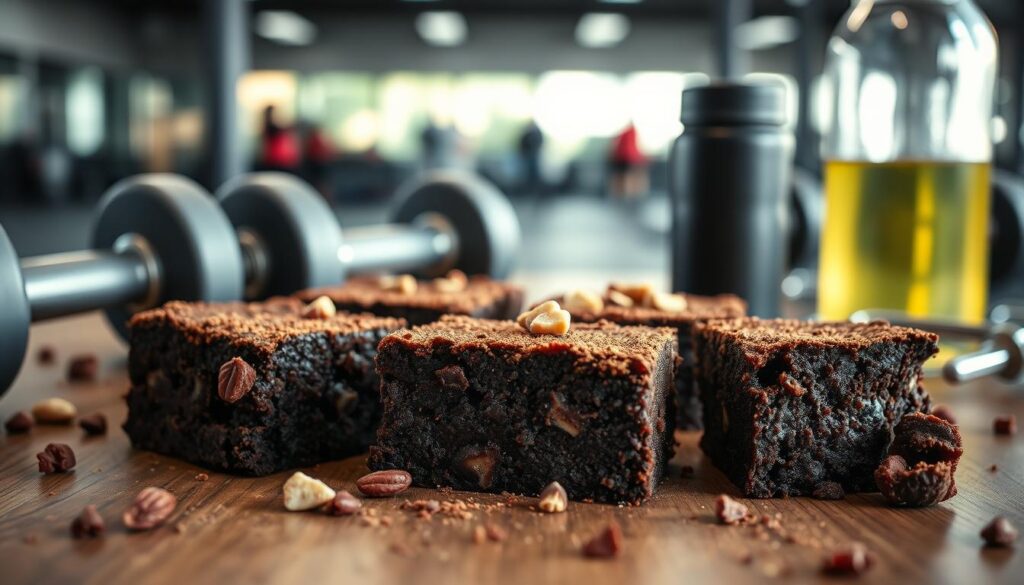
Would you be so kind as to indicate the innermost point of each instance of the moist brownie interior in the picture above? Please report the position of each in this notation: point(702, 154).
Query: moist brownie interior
point(486, 406)
point(315, 397)
point(790, 404)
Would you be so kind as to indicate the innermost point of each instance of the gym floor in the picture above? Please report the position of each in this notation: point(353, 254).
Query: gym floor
point(568, 233)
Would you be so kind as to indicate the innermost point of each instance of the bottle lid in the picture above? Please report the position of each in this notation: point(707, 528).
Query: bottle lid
point(734, 104)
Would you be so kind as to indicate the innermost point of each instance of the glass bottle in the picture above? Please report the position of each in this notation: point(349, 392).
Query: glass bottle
point(907, 160)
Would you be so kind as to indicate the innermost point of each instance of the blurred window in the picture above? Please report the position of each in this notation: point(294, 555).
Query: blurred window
point(86, 126)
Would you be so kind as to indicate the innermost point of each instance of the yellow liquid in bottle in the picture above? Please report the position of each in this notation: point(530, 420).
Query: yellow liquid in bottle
point(905, 235)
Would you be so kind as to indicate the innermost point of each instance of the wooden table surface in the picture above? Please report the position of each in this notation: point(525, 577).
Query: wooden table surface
point(235, 530)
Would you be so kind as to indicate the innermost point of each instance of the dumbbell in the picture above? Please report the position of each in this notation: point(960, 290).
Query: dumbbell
point(155, 238)
point(291, 240)
point(162, 237)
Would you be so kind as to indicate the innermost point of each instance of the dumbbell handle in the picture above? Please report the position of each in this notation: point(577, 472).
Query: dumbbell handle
point(58, 285)
point(396, 247)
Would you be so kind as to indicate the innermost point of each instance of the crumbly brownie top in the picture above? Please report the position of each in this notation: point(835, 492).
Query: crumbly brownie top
point(697, 308)
point(259, 325)
point(366, 291)
point(611, 347)
point(764, 336)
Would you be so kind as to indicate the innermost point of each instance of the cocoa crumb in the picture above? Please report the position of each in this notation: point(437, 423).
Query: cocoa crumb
point(83, 368)
point(851, 560)
point(829, 490)
point(202, 476)
point(88, 523)
point(993, 468)
point(606, 544)
point(686, 472)
point(1005, 425)
point(495, 533)
point(46, 355)
point(20, 422)
point(999, 533)
point(94, 424)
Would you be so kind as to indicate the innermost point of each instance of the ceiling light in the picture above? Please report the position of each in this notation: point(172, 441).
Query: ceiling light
point(285, 27)
point(620, 1)
point(597, 30)
point(442, 28)
point(766, 32)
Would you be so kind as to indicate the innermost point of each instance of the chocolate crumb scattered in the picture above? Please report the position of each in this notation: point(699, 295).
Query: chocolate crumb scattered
point(686, 472)
point(495, 533)
point(851, 560)
point(606, 544)
point(94, 424)
point(993, 468)
point(83, 368)
point(202, 476)
point(46, 355)
point(1005, 425)
point(56, 458)
point(20, 422)
point(88, 523)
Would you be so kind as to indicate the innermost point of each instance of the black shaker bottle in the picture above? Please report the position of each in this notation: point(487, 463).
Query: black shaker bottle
point(730, 179)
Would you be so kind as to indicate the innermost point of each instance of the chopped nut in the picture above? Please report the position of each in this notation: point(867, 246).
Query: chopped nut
point(54, 411)
point(479, 465)
point(673, 303)
point(553, 499)
point(202, 476)
point(56, 458)
point(637, 292)
point(403, 283)
point(235, 379)
point(455, 281)
point(583, 301)
point(607, 543)
point(343, 504)
point(302, 492)
point(150, 509)
point(20, 422)
point(525, 318)
point(620, 299)
point(999, 532)
point(562, 418)
point(321, 307)
point(728, 510)
point(88, 523)
point(554, 323)
point(94, 424)
point(387, 482)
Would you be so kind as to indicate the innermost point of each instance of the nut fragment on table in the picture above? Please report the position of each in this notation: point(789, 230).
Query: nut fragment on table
point(637, 292)
point(321, 307)
point(302, 492)
point(384, 483)
point(88, 524)
point(402, 283)
point(54, 411)
point(455, 281)
point(553, 499)
point(547, 318)
point(152, 506)
point(582, 301)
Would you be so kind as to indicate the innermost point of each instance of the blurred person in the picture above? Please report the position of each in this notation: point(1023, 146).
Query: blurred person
point(628, 165)
point(440, 146)
point(319, 152)
point(280, 146)
point(531, 141)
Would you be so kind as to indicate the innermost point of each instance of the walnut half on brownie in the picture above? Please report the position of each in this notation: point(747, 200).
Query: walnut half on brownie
point(640, 304)
point(488, 406)
point(253, 388)
point(424, 301)
point(789, 405)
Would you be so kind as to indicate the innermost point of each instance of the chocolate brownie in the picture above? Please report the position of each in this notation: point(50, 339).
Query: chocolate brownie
point(482, 297)
point(789, 405)
point(311, 394)
point(487, 406)
point(698, 308)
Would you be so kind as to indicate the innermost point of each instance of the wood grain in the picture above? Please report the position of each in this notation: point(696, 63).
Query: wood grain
point(231, 529)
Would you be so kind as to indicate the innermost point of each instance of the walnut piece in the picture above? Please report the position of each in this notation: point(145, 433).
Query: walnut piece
point(454, 281)
point(321, 307)
point(302, 492)
point(637, 292)
point(402, 283)
point(583, 301)
point(547, 318)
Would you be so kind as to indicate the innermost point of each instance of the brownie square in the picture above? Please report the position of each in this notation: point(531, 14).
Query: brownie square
point(698, 309)
point(487, 406)
point(483, 297)
point(315, 396)
point(791, 404)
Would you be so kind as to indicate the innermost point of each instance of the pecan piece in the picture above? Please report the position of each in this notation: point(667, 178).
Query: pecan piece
point(343, 504)
point(152, 506)
point(381, 484)
point(235, 379)
point(729, 511)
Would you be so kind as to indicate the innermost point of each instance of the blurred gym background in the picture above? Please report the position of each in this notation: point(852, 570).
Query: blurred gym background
point(569, 106)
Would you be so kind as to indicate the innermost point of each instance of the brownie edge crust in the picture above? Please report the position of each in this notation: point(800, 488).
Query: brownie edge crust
point(315, 397)
point(486, 406)
point(791, 404)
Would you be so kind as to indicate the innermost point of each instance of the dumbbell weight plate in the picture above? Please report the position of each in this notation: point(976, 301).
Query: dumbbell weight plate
point(298, 229)
point(15, 317)
point(484, 221)
point(194, 244)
